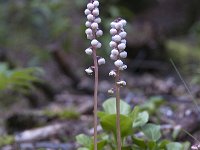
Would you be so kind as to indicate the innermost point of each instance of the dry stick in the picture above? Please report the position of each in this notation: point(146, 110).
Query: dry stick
point(188, 133)
point(95, 96)
point(118, 109)
point(190, 93)
point(186, 86)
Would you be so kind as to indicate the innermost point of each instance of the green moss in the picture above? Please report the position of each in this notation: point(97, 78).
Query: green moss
point(182, 51)
point(63, 114)
point(6, 140)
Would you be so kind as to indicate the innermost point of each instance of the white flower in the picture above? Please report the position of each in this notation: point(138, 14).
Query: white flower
point(112, 24)
point(110, 91)
point(88, 51)
point(94, 42)
point(123, 67)
point(118, 63)
point(99, 33)
point(87, 12)
point(87, 24)
point(112, 73)
point(88, 31)
point(113, 44)
point(89, 71)
point(95, 12)
point(97, 20)
point(89, 36)
point(113, 31)
point(94, 25)
point(123, 22)
point(90, 17)
point(116, 38)
point(123, 34)
point(96, 3)
point(123, 41)
point(118, 25)
point(123, 54)
point(113, 57)
point(101, 61)
point(90, 6)
point(115, 52)
point(99, 45)
point(121, 46)
point(121, 83)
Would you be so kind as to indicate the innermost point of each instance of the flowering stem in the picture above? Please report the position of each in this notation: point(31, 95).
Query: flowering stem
point(118, 109)
point(95, 97)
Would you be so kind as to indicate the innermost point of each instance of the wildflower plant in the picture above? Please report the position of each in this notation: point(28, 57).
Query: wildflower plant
point(118, 45)
point(92, 33)
point(120, 124)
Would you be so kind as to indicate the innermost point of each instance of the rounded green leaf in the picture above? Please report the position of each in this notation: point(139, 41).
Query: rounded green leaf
point(141, 119)
point(108, 123)
point(152, 131)
point(109, 107)
point(174, 146)
point(84, 140)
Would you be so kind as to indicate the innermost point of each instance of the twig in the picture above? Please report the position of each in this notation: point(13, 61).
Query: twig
point(186, 86)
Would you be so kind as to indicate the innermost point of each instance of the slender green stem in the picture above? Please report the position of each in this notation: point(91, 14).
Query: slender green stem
point(118, 110)
point(95, 96)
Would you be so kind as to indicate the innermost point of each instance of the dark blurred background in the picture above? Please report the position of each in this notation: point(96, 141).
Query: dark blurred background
point(42, 44)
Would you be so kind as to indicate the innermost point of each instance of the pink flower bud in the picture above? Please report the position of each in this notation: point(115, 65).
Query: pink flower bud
point(94, 42)
point(90, 6)
point(99, 33)
point(118, 63)
point(121, 46)
point(95, 12)
point(90, 17)
point(87, 12)
point(123, 54)
point(116, 38)
point(113, 31)
point(94, 25)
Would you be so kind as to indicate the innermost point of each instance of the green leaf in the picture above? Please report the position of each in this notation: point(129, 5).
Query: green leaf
point(163, 144)
point(109, 107)
point(153, 103)
point(152, 131)
point(176, 132)
point(108, 123)
point(141, 119)
point(18, 79)
point(134, 113)
point(126, 148)
point(101, 114)
point(174, 146)
point(84, 140)
point(139, 142)
point(101, 144)
point(186, 145)
point(152, 145)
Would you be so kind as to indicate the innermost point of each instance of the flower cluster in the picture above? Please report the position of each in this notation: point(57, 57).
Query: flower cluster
point(118, 45)
point(93, 31)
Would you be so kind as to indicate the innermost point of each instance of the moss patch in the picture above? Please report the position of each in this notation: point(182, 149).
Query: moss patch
point(62, 114)
point(6, 140)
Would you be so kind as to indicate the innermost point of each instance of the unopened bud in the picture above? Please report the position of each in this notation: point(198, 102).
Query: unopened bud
point(101, 61)
point(89, 71)
point(118, 63)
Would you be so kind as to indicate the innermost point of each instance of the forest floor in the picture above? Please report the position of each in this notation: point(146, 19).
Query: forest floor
point(56, 124)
